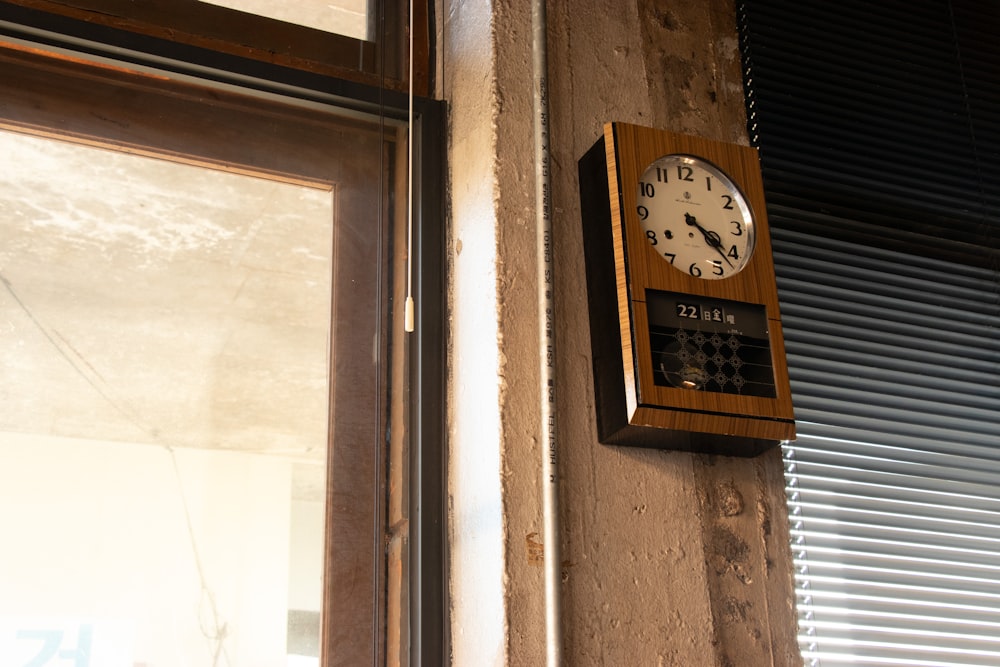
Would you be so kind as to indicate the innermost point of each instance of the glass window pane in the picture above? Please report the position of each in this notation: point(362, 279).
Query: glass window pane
point(343, 17)
point(164, 335)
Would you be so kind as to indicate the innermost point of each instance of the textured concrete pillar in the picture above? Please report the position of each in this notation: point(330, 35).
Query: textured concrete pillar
point(668, 558)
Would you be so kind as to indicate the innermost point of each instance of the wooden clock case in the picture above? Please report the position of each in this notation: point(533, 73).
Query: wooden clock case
point(623, 268)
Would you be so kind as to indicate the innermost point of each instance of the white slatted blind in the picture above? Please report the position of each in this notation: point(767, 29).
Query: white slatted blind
point(879, 129)
point(894, 480)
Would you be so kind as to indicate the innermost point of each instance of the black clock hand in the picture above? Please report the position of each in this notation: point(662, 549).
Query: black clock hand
point(710, 238)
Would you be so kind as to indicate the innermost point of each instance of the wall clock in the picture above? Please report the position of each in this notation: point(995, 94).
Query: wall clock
point(685, 328)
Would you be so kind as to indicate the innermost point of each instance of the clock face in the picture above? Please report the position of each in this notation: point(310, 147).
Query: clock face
point(695, 217)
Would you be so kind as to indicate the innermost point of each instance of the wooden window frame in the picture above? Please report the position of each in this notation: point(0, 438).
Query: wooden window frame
point(227, 32)
point(415, 601)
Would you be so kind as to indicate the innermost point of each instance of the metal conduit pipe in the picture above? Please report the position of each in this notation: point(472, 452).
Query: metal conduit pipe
point(546, 339)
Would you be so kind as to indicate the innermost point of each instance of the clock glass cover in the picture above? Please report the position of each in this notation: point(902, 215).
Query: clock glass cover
point(695, 217)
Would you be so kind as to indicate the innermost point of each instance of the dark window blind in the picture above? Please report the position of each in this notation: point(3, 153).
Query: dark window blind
point(879, 132)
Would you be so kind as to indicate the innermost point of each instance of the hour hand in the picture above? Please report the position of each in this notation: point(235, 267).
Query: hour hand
point(711, 238)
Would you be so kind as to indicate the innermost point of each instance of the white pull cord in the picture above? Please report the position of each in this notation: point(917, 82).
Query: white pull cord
point(408, 317)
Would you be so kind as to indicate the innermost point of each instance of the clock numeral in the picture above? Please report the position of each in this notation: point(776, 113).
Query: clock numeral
point(739, 228)
point(684, 172)
point(646, 190)
point(661, 175)
point(654, 240)
point(695, 270)
point(671, 256)
point(729, 202)
point(733, 253)
point(717, 267)
point(643, 212)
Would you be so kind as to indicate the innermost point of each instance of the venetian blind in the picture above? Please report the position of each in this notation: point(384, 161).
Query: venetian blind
point(879, 131)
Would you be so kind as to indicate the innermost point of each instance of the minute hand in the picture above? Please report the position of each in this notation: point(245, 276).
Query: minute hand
point(711, 238)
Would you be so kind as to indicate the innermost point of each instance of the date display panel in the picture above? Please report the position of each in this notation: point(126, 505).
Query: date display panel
point(711, 345)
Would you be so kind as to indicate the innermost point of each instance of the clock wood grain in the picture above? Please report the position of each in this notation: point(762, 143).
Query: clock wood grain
point(622, 264)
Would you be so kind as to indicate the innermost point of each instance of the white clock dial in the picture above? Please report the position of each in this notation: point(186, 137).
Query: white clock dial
point(695, 217)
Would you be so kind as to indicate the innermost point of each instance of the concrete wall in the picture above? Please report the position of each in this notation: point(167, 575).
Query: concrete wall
point(668, 558)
